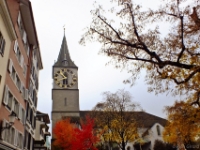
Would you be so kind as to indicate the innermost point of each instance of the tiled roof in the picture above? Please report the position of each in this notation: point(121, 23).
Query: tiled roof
point(45, 116)
point(144, 120)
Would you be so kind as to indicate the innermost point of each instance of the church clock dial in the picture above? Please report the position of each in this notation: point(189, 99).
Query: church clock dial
point(65, 78)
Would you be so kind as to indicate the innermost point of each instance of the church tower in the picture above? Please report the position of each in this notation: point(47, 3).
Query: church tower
point(65, 92)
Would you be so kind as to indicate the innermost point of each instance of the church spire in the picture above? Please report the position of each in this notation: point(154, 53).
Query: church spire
point(64, 58)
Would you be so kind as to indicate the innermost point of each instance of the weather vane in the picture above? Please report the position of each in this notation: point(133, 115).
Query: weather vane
point(64, 28)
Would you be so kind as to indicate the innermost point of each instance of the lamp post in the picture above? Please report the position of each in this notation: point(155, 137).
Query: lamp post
point(11, 123)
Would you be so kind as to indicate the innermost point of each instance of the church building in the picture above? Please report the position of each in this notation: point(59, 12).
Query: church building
point(65, 101)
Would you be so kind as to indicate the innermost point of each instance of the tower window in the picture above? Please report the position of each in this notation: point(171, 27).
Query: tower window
point(65, 101)
point(158, 129)
point(65, 62)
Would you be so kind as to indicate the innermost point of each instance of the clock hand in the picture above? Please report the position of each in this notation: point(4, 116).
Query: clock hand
point(62, 79)
point(61, 73)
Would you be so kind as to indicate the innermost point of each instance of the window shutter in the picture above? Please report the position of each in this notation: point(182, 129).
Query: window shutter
point(13, 105)
point(21, 88)
point(20, 112)
point(28, 49)
point(23, 116)
point(10, 66)
point(22, 61)
point(26, 94)
point(22, 142)
point(3, 134)
point(19, 19)
point(16, 137)
point(15, 46)
point(24, 69)
point(2, 47)
point(5, 99)
point(24, 37)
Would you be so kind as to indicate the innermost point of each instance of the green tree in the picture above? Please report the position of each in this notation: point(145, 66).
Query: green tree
point(114, 117)
point(133, 39)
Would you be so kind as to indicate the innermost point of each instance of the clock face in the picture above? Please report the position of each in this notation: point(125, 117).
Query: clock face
point(65, 78)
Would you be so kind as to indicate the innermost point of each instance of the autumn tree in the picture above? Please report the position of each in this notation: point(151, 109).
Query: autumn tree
point(64, 132)
point(86, 137)
point(114, 117)
point(134, 39)
point(70, 136)
point(183, 124)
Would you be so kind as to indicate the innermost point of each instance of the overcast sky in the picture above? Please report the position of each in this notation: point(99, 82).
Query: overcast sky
point(94, 77)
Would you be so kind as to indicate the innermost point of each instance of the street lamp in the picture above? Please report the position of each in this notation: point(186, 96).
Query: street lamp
point(8, 126)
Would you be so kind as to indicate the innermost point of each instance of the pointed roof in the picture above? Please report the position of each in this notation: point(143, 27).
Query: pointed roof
point(64, 58)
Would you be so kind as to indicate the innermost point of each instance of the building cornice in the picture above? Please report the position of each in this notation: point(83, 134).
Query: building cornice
point(7, 19)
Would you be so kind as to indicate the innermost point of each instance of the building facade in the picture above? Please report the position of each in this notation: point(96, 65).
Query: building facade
point(41, 132)
point(21, 83)
point(7, 36)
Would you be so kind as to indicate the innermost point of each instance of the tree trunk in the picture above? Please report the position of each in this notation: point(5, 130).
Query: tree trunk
point(123, 145)
point(180, 143)
point(140, 146)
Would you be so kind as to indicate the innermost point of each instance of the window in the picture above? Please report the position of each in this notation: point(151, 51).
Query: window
point(65, 101)
point(18, 54)
point(26, 45)
point(18, 83)
point(12, 136)
point(13, 105)
point(16, 107)
point(13, 74)
point(158, 129)
point(2, 44)
point(20, 140)
point(23, 116)
point(28, 112)
point(21, 28)
point(31, 89)
point(10, 100)
point(24, 69)
point(36, 83)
